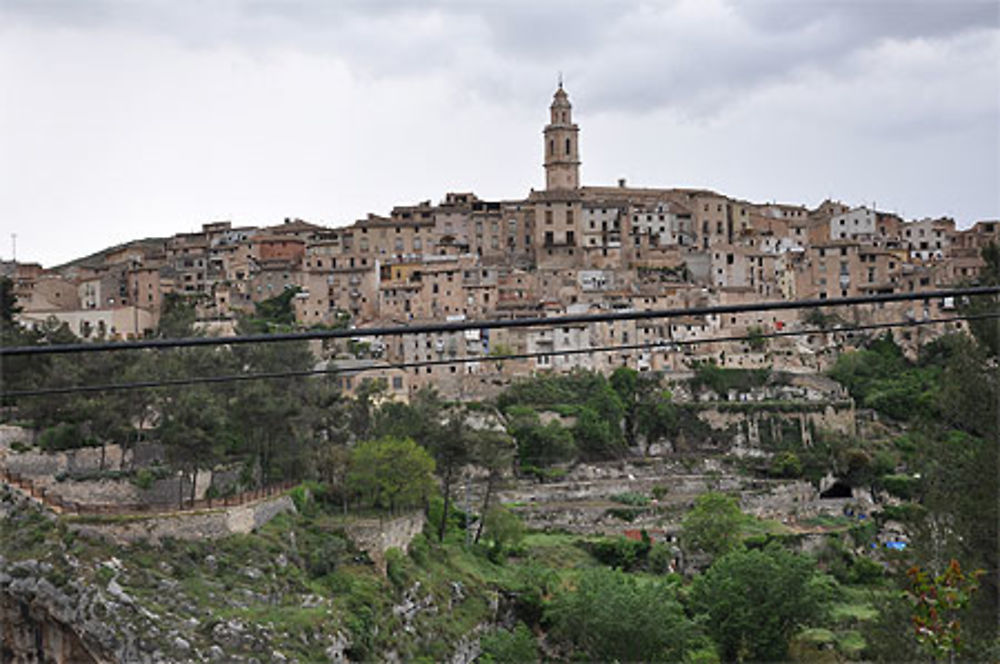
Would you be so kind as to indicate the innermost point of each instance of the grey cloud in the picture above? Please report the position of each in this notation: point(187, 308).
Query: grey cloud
point(696, 57)
point(874, 19)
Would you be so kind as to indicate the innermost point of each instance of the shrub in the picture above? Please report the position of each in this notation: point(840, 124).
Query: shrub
point(660, 491)
point(630, 498)
point(300, 497)
point(395, 568)
point(612, 616)
point(509, 647)
point(420, 549)
point(144, 479)
point(627, 514)
point(63, 436)
point(786, 464)
point(505, 531)
point(901, 486)
point(660, 557)
point(620, 552)
point(864, 571)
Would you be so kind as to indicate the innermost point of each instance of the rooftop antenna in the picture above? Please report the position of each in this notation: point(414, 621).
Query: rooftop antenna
point(13, 246)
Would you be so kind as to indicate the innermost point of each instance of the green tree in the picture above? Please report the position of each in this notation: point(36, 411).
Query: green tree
point(956, 459)
point(657, 418)
point(754, 600)
point(421, 419)
point(268, 415)
point(537, 444)
point(8, 306)
point(504, 530)
point(612, 616)
point(451, 451)
point(649, 416)
point(333, 464)
point(625, 382)
point(391, 473)
point(193, 430)
point(986, 330)
point(938, 603)
point(494, 451)
point(274, 313)
point(516, 646)
point(444, 435)
point(713, 524)
point(596, 438)
point(177, 317)
point(755, 338)
point(364, 407)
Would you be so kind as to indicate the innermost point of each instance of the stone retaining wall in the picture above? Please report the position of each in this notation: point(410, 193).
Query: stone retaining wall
point(210, 524)
point(162, 493)
point(375, 536)
point(83, 460)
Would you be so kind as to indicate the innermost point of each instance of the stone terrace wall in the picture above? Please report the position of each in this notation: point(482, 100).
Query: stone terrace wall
point(211, 524)
point(85, 459)
point(11, 434)
point(375, 537)
point(162, 493)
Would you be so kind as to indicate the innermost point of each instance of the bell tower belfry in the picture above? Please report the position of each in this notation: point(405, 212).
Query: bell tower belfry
point(562, 152)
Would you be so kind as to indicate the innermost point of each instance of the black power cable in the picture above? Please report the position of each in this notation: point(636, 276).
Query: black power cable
point(458, 326)
point(198, 380)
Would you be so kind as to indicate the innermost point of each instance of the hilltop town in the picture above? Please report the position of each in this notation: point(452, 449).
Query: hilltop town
point(566, 249)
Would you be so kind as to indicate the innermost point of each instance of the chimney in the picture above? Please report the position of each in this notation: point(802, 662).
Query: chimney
point(621, 183)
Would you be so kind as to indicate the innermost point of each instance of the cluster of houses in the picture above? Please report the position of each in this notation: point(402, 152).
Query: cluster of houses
point(565, 249)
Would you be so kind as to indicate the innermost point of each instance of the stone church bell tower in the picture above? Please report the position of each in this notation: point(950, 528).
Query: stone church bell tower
point(562, 153)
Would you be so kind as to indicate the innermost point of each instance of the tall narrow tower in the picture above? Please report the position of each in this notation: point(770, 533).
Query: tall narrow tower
point(562, 154)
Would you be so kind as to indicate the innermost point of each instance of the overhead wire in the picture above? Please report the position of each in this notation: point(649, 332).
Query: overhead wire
point(659, 344)
point(460, 326)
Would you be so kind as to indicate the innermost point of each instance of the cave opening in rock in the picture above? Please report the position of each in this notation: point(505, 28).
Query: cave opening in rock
point(837, 490)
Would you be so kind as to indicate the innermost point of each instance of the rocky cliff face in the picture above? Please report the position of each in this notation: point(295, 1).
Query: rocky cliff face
point(29, 632)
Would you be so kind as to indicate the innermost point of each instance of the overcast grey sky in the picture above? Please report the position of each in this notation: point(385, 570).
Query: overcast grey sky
point(121, 120)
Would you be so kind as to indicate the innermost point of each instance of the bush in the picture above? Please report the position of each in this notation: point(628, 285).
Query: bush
point(301, 497)
point(143, 479)
point(543, 474)
point(63, 436)
point(396, 568)
point(505, 531)
point(420, 549)
point(627, 514)
point(630, 498)
point(324, 557)
point(612, 616)
point(660, 491)
point(713, 524)
point(753, 601)
point(660, 558)
point(620, 552)
point(722, 381)
point(905, 513)
point(786, 464)
point(901, 486)
point(864, 571)
point(509, 647)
